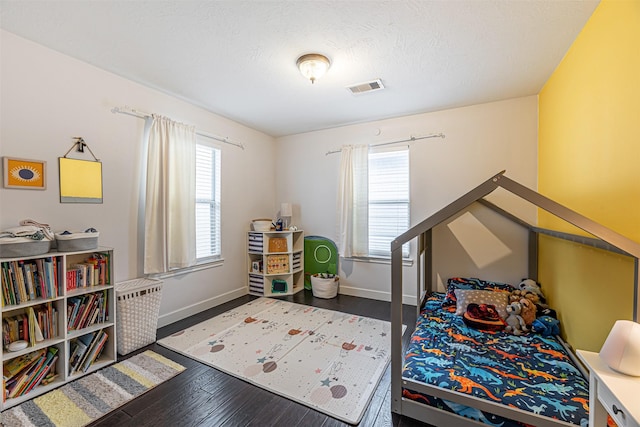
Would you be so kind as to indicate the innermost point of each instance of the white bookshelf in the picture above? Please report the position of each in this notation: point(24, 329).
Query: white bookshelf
point(60, 300)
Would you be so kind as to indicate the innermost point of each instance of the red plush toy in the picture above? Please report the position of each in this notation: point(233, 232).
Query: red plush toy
point(484, 317)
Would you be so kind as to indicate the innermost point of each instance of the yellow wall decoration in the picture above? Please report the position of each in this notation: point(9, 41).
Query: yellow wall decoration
point(80, 181)
point(588, 156)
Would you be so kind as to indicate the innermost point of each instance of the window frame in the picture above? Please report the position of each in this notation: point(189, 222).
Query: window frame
point(214, 204)
point(386, 254)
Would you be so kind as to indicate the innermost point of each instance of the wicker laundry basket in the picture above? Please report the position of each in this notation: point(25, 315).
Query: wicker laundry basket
point(138, 307)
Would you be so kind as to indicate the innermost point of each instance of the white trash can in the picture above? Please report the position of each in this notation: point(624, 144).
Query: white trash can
point(324, 285)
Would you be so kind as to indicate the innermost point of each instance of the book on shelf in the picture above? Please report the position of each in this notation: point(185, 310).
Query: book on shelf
point(34, 325)
point(41, 373)
point(73, 305)
point(12, 367)
point(6, 338)
point(94, 350)
point(86, 350)
point(28, 280)
point(19, 275)
point(99, 263)
point(83, 311)
point(17, 327)
point(15, 278)
point(7, 295)
point(83, 274)
point(79, 348)
point(22, 380)
point(47, 317)
point(32, 374)
point(71, 280)
point(51, 276)
point(91, 272)
point(35, 333)
point(86, 310)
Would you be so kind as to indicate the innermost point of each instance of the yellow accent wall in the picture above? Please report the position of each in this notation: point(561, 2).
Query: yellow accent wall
point(589, 160)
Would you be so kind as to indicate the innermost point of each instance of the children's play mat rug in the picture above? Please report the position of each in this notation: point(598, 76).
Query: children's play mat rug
point(327, 360)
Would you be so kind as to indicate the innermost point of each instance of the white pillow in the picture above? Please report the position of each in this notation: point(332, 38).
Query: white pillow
point(498, 299)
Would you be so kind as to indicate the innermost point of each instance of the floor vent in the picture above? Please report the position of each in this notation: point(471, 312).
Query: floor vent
point(366, 87)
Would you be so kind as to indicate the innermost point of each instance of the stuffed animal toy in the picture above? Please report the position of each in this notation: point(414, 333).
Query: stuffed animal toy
point(546, 325)
point(484, 317)
point(550, 312)
point(515, 322)
point(530, 285)
point(517, 294)
point(530, 289)
point(528, 311)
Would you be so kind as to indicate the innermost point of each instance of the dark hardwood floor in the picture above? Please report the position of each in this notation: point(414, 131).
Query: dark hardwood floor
point(204, 396)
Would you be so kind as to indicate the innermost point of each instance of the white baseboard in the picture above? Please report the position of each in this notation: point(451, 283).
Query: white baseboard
point(377, 295)
point(183, 313)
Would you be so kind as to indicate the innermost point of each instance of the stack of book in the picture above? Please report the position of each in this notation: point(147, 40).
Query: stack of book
point(46, 320)
point(23, 373)
point(86, 310)
point(24, 281)
point(85, 350)
point(93, 271)
point(34, 325)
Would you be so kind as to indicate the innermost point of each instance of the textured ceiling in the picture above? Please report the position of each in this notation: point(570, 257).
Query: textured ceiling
point(237, 58)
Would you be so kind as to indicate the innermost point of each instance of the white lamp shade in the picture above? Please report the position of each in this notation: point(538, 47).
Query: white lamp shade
point(286, 210)
point(621, 349)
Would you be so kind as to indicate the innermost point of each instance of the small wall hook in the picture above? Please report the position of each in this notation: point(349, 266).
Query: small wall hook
point(80, 144)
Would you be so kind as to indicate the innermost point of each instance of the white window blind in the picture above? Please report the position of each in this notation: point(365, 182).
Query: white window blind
point(388, 199)
point(207, 202)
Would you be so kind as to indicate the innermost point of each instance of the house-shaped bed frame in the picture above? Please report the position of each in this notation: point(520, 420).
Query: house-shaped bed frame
point(605, 239)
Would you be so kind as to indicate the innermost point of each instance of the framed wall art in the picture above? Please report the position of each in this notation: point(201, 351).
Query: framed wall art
point(24, 174)
point(80, 181)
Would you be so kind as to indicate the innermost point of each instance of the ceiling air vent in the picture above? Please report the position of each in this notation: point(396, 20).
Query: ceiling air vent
point(366, 87)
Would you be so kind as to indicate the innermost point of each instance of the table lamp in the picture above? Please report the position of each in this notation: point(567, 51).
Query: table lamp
point(286, 211)
point(621, 349)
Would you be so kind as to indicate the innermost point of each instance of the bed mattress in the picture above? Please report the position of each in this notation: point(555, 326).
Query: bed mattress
point(530, 372)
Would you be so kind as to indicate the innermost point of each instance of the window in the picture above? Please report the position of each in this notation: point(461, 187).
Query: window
point(388, 199)
point(207, 202)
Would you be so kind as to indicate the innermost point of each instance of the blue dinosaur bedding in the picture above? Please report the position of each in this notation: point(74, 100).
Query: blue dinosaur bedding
point(530, 372)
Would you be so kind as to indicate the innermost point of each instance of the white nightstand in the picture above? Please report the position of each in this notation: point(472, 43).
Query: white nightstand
point(611, 392)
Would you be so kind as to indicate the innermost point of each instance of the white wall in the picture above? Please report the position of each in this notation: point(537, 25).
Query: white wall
point(481, 141)
point(47, 98)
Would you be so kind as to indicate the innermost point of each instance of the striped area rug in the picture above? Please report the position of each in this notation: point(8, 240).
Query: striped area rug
point(86, 399)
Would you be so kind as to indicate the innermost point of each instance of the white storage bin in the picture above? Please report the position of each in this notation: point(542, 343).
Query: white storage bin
point(324, 287)
point(138, 307)
point(80, 241)
point(17, 247)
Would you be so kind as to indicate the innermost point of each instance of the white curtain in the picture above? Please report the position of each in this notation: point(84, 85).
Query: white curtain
point(353, 203)
point(169, 232)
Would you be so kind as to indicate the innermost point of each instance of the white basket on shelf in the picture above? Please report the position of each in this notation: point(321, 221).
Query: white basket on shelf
point(138, 307)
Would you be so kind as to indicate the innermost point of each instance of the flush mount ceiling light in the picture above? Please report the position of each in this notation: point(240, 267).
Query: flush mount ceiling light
point(313, 65)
